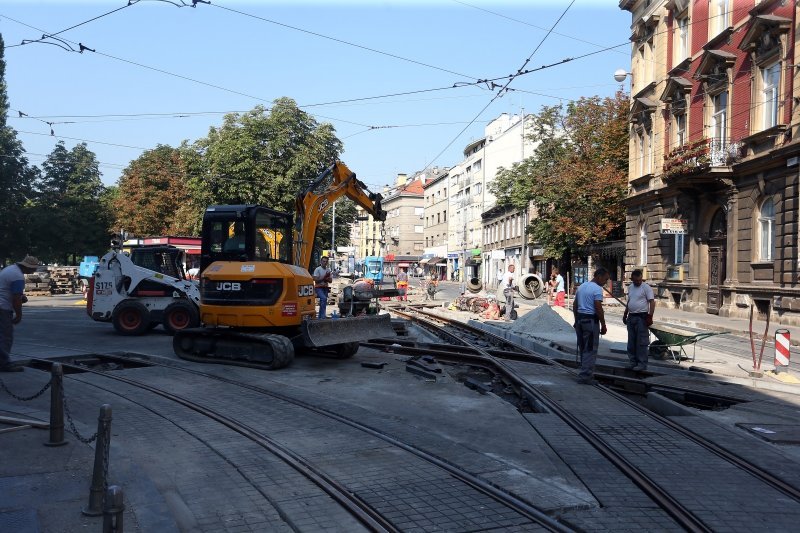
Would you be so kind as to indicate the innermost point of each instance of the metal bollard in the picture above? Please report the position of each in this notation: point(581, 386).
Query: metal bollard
point(100, 472)
point(56, 406)
point(112, 510)
point(782, 353)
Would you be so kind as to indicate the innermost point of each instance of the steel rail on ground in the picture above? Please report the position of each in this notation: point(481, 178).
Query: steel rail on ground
point(761, 474)
point(661, 497)
point(361, 510)
point(376, 523)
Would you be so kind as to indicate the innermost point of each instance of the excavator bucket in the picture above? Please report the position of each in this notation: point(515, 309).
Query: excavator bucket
point(319, 333)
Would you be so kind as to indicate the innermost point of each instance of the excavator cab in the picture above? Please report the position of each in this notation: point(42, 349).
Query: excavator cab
point(245, 233)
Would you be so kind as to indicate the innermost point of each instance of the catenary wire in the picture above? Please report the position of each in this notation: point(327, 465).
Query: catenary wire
point(501, 91)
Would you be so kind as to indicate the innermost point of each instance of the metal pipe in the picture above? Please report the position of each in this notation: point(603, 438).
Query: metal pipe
point(100, 471)
point(56, 406)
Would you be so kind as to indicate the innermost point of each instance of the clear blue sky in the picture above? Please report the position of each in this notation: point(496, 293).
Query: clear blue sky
point(458, 41)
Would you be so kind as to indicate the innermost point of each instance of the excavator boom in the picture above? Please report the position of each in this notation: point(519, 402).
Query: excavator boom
point(311, 206)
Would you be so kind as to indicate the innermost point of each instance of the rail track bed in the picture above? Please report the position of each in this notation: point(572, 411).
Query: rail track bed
point(393, 440)
point(673, 463)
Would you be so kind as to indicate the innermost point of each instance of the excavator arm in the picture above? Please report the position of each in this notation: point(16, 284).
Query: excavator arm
point(311, 206)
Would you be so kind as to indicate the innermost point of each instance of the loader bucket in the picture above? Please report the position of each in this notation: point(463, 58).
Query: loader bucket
point(327, 332)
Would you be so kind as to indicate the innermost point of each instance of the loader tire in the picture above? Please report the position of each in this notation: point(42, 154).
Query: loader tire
point(130, 318)
point(345, 350)
point(179, 315)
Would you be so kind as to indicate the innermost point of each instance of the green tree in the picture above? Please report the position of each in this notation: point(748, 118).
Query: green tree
point(16, 180)
point(68, 217)
point(577, 177)
point(153, 196)
point(263, 156)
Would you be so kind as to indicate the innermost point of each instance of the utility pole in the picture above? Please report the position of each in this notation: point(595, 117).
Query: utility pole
point(333, 234)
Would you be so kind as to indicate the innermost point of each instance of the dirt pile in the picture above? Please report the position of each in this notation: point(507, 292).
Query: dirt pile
point(543, 321)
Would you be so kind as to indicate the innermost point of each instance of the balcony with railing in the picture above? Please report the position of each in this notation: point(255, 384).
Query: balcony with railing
point(699, 156)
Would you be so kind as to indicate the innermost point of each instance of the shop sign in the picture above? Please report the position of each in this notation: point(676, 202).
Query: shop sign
point(674, 226)
point(452, 255)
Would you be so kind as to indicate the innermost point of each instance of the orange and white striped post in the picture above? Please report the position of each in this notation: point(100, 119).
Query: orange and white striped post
point(781, 350)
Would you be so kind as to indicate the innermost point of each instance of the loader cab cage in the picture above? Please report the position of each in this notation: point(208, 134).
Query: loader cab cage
point(162, 259)
point(245, 233)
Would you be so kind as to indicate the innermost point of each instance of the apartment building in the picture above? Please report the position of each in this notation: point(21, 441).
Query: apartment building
point(435, 252)
point(502, 145)
point(404, 226)
point(713, 176)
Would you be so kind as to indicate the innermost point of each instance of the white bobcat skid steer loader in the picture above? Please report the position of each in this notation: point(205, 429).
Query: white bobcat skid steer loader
point(140, 292)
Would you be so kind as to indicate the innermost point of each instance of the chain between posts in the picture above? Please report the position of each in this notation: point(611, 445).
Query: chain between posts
point(25, 398)
point(72, 425)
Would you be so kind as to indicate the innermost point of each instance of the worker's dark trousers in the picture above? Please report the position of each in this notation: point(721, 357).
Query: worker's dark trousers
point(638, 339)
point(509, 303)
point(6, 336)
point(588, 331)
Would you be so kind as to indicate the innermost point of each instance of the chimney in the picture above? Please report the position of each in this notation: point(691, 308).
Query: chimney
point(401, 179)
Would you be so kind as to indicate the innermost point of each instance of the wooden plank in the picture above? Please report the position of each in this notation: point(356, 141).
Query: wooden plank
point(32, 423)
point(15, 428)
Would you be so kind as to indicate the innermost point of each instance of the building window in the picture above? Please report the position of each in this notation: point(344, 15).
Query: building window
point(770, 82)
point(766, 230)
point(681, 40)
point(679, 249)
point(720, 13)
point(680, 129)
point(719, 116)
point(643, 245)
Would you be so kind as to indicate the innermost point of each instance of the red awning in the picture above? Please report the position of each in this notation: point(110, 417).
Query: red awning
point(401, 265)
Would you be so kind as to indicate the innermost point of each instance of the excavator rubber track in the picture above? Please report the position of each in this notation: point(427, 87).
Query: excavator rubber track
point(255, 350)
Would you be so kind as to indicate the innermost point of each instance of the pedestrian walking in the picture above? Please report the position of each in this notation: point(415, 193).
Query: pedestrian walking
point(322, 277)
point(558, 289)
point(402, 284)
point(12, 296)
point(590, 323)
point(638, 317)
point(507, 283)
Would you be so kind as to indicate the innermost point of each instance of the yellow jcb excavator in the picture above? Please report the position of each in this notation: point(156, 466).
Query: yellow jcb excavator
point(256, 293)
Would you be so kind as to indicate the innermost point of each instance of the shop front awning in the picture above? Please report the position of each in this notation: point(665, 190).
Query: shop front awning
point(431, 260)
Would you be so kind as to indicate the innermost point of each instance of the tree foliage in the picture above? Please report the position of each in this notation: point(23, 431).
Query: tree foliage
point(153, 196)
point(267, 157)
point(264, 157)
point(68, 218)
point(576, 178)
point(16, 180)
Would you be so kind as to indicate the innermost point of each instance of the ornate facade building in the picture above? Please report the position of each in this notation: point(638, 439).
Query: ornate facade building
point(712, 210)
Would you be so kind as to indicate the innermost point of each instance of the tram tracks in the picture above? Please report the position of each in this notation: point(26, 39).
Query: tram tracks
point(478, 347)
point(371, 517)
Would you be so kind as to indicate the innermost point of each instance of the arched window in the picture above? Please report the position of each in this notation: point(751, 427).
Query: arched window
point(643, 244)
point(766, 230)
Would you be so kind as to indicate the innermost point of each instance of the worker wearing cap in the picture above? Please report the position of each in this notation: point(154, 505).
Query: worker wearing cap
point(12, 288)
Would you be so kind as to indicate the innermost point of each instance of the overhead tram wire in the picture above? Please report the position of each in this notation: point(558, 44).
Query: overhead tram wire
point(495, 13)
point(503, 89)
point(490, 82)
point(51, 35)
point(342, 41)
